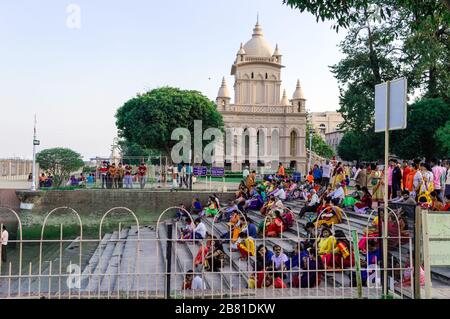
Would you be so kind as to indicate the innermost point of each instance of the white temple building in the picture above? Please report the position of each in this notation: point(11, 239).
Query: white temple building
point(263, 127)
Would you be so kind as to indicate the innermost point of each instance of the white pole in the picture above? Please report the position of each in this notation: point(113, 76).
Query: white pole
point(33, 179)
point(386, 190)
point(310, 150)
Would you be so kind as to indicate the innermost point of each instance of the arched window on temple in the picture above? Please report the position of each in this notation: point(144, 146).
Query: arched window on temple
point(293, 144)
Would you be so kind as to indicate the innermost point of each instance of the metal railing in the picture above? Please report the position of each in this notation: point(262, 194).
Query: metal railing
point(142, 261)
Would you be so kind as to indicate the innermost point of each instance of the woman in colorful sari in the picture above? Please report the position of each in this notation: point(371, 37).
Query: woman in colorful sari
point(338, 175)
point(342, 256)
point(267, 206)
point(288, 218)
point(377, 181)
point(246, 246)
point(241, 197)
point(232, 224)
point(203, 250)
point(214, 256)
point(276, 227)
point(212, 208)
point(327, 245)
point(330, 215)
point(351, 199)
point(256, 202)
point(365, 203)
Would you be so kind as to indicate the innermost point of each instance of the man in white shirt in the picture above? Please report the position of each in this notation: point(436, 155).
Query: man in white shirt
point(5, 237)
point(279, 258)
point(245, 173)
point(197, 283)
point(312, 205)
point(193, 282)
point(338, 193)
point(199, 230)
point(281, 194)
point(326, 174)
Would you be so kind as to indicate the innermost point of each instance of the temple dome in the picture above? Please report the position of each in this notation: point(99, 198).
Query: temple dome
point(257, 45)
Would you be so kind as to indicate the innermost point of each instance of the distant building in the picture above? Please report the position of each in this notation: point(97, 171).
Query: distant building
point(263, 126)
point(326, 122)
point(15, 168)
point(333, 139)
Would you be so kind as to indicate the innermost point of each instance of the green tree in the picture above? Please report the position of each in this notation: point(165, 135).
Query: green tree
point(349, 148)
point(386, 39)
point(59, 162)
point(148, 119)
point(425, 117)
point(370, 57)
point(319, 146)
point(343, 13)
point(442, 137)
point(361, 146)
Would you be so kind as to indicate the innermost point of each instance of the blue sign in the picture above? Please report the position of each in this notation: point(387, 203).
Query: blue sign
point(217, 171)
point(200, 170)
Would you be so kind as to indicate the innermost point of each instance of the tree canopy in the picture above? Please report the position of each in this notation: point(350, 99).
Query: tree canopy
point(319, 146)
point(419, 137)
point(148, 119)
point(59, 162)
point(387, 39)
point(442, 137)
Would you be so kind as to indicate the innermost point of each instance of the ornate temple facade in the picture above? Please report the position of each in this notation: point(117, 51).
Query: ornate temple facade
point(263, 126)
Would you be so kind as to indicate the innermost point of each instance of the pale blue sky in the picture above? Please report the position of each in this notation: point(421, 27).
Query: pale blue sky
point(75, 79)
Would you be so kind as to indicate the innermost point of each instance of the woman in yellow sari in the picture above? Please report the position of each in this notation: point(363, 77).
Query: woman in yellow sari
point(376, 180)
point(331, 215)
point(338, 175)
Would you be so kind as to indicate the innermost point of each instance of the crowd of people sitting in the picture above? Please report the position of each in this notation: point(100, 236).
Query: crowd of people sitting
point(326, 195)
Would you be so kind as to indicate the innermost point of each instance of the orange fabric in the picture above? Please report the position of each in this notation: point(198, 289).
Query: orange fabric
point(409, 180)
point(281, 171)
point(405, 174)
point(310, 178)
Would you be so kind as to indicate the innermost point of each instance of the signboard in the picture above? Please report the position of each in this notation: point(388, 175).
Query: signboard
point(439, 252)
point(397, 105)
point(439, 225)
point(217, 171)
point(200, 170)
point(36, 142)
point(436, 243)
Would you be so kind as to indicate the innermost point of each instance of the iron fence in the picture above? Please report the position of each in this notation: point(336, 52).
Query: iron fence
point(145, 261)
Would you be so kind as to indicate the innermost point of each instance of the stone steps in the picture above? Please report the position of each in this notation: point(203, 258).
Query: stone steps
point(109, 277)
point(104, 256)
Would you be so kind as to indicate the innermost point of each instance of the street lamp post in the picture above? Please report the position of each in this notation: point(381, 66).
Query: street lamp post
point(35, 143)
point(310, 149)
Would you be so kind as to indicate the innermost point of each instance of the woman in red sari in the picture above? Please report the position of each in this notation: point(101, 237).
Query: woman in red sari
point(365, 202)
point(200, 258)
point(276, 227)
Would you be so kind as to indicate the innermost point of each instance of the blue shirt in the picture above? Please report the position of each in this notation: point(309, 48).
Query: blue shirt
point(252, 231)
point(317, 173)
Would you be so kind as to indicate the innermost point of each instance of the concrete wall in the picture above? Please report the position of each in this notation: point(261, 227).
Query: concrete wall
point(92, 204)
point(99, 201)
point(9, 199)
